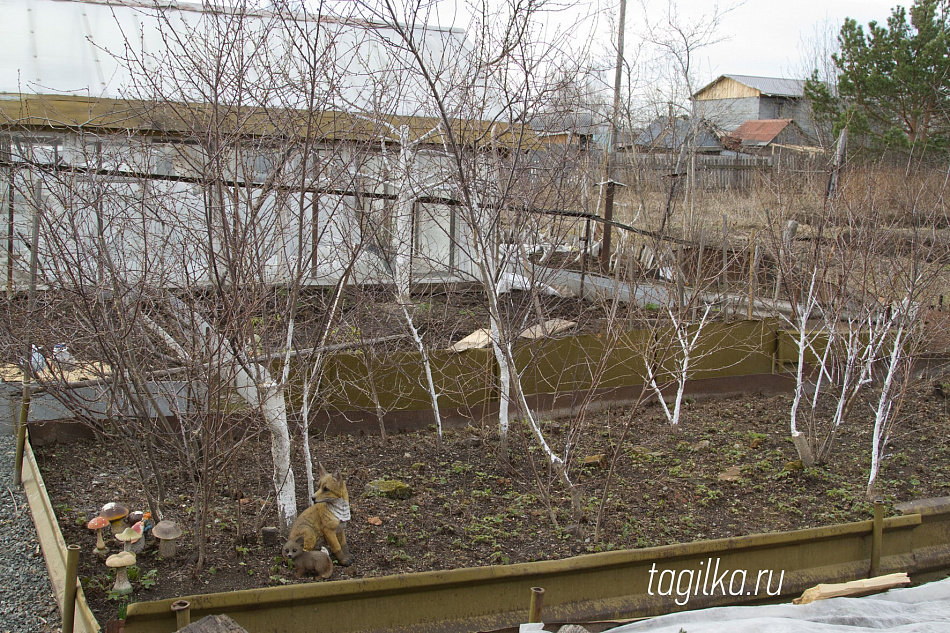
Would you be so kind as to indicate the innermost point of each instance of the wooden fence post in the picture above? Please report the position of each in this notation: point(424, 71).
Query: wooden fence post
point(724, 275)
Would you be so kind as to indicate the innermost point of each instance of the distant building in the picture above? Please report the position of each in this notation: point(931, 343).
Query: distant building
point(100, 103)
point(731, 100)
point(570, 128)
point(665, 135)
point(761, 136)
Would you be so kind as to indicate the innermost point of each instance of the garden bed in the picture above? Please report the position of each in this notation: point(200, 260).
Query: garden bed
point(729, 471)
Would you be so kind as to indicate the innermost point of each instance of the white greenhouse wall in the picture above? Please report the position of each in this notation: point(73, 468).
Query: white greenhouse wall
point(166, 233)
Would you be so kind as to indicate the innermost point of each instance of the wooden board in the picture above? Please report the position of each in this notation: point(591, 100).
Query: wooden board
point(853, 588)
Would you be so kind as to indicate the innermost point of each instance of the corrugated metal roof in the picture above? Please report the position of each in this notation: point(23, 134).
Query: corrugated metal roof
point(564, 121)
point(772, 86)
point(664, 133)
point(761, 131)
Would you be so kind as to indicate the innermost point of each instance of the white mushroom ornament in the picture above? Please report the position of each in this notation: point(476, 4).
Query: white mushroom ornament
point(120, 562)
point(166, 532)
point(97, 524)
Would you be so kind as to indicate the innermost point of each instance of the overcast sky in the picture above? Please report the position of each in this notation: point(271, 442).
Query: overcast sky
point(759, 37)
point(765, 36)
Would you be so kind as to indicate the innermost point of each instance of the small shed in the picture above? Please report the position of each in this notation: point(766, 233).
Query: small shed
point(757, 135)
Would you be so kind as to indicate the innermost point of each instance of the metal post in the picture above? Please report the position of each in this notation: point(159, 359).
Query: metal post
point(537, 603)
point(587, 239)
point(724, 276)
point(69, 590)
point(182, 610)
point(877, 537)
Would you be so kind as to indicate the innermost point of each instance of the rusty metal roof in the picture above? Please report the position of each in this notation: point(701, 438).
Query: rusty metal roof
point(761, 131)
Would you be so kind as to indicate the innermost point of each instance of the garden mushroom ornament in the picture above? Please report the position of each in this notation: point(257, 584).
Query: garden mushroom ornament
point(114, 513)
point(98, 524)
point(120, 562)
point(138, 544)
point(166, 532)
point(128, 536)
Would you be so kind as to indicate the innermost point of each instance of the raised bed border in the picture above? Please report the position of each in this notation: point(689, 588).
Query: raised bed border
point(52, 543)
point(604, 586)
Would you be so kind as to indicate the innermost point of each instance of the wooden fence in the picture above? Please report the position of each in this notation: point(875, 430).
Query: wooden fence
point(720, 172)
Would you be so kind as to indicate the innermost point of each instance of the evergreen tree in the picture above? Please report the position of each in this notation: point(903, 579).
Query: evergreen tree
point(894, 82)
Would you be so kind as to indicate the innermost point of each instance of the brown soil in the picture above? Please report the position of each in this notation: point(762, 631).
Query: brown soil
point(469, 509)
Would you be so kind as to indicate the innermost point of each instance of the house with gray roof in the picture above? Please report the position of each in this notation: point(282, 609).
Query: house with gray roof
point(666, 135)
point(731, 100)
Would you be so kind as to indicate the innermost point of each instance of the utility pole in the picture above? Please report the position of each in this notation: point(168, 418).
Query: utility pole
point(612, 144)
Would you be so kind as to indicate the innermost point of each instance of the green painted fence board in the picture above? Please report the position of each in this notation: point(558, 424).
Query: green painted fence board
point(551, 366)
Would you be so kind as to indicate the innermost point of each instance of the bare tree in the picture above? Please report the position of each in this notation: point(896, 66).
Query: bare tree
point(185, 253)
point(479, 98)
point(677, 40)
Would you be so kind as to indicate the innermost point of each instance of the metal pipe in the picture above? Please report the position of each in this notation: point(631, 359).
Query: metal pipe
point(69, 589)
point(877, 536)
point(182, 610)
point(537, 603)
point(724, 274)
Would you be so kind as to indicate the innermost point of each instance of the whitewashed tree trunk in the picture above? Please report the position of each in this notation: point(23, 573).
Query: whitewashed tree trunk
point(269, 396)
point(855, 349)
point(553, 458)
point(687, 347)
point(259, 390)
point(882, 415)
point(402, 218)
point(402, 258)
point(433, 393)
point(799, 321)
point(504, 384)
point(557, 464)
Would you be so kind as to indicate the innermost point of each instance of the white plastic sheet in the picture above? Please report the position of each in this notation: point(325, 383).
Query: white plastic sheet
point(923, 609)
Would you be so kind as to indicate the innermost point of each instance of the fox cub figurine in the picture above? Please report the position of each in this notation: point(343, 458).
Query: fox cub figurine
point(316, 562)
point(325, 520)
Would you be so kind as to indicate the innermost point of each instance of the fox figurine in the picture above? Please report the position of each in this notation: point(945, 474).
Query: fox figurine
point(325, 520)
point(316, 562)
